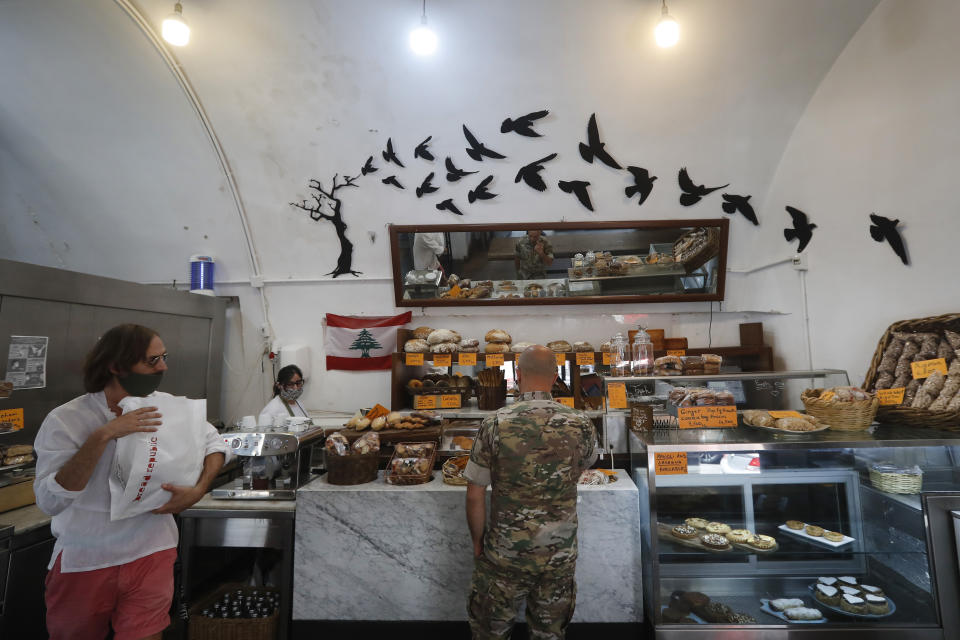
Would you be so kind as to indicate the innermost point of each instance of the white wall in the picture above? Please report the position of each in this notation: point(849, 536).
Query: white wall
point(880, 136)
point(832, 107)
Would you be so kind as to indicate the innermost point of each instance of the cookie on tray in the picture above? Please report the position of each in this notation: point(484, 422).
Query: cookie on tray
point(718, 527)
point(762, 542)
point(814, 530)
point(833, 536)
point(782, 604)
point(827, 595)
point(684, 532)
point(715, 541)
point(739, 535)
point(803, 613)
point(877, 605)
point(696, 523)
point(853, 604)
point(795, 524)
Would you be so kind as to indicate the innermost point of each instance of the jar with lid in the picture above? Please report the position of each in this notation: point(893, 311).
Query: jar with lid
point(641, 353)
point(619, 356)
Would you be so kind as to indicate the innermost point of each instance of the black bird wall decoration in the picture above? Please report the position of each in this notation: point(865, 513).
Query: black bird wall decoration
point(389, 155)
point(368, 167)
point(886, 229)
point(426, 186)
point(594, 148)
point(454, 174)
point(447, 205)
point(693, 192)
point(577, 188)
point(530, 173)
point(642, 183)
point(392, 180)
point(523, 125)
point(802, 229)
point(732, 204)
point(478, 150)
point(481, 193)
point(422, 152)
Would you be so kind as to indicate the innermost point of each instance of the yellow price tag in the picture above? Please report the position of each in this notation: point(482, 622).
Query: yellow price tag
point(450, 401)
point(924, 368)
point(677, 352)
point(617, 394)
point(425, 402)
point(414, 359)
point(585, 357)
point(785, 414)
point(707, 417)
point(377, 411)
point(670, 463)
point(467, 359)
point(13, 416)
point(891, 396)
point(605, 358)
point(565, 400)
point(494, 359)
point(442, 359)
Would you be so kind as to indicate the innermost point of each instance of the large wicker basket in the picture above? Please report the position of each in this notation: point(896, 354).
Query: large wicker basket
point(896, 481)
point(908, 416)
point(841, 416)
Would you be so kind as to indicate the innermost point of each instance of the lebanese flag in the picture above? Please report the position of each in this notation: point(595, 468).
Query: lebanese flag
point(362, 343)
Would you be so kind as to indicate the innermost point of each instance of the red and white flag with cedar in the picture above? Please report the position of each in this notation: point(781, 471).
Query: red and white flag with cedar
point(362, 343)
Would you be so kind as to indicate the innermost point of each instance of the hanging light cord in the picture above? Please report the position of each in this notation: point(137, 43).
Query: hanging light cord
point(423, 15)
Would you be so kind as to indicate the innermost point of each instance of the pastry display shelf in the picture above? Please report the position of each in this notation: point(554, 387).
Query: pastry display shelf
point(635, 271)
point(816, 477)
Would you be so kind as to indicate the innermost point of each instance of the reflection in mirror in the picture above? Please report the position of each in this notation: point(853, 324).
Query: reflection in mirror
point(561, 263)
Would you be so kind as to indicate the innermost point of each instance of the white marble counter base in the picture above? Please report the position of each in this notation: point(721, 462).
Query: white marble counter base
point(382, 552)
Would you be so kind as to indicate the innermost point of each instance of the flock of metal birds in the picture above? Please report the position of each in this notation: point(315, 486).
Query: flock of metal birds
point(882, 229)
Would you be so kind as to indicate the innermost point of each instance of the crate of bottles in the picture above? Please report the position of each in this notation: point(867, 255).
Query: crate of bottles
point(236, 612)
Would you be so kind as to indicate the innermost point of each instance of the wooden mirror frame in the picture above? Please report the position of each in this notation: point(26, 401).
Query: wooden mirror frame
point(722, 224)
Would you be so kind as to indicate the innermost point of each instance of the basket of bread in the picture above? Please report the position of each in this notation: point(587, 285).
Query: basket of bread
point(411, 463)
point(453, 470)
point(352, 464)
point(843, 408)
point(930, 395)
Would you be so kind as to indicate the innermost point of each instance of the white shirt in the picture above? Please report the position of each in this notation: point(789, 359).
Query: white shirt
point(426, 246)
point(278, 407)
point(81, 521)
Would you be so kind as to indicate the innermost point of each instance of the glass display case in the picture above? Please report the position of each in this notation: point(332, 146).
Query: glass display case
point(789, 512)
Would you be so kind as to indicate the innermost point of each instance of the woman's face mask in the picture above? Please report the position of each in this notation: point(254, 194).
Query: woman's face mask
point(290, 394)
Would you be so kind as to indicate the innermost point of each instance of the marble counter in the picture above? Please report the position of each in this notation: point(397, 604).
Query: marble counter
point(382, 552)
point(24, 519)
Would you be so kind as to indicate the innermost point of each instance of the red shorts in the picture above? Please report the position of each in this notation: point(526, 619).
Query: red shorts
point(134, 598)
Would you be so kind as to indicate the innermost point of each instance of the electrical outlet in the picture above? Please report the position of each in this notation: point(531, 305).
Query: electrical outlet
point(800, 262)
point(265, 331)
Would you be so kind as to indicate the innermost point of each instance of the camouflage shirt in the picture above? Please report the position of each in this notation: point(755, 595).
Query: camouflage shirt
point(530, 263)
point(532, 453)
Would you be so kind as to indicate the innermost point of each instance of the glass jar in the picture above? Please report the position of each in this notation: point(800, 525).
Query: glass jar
point(619, 356)
point(641, 354)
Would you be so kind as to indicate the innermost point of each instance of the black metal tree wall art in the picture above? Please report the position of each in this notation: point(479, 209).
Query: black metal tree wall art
point(327, 206)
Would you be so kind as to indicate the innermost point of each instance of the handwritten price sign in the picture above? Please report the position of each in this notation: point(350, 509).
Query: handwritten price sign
point(561, 359)
point(425, 402)
point(565, 400)
point(467, 359)
point(494, 359)
point(677, 352)
point(605, 358)
point(707, 417)
point(617, 395)
point(924, 368)
point(450, 401)
point(414, 359)
point(14, 416)
point(889, 397)
point(585, 357)
point(670, 463)
point(442, 359)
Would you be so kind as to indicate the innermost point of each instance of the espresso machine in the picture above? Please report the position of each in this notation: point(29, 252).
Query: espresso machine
point(275, 463)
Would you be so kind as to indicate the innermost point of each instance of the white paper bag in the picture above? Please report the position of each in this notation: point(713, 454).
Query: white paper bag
point(172, 454)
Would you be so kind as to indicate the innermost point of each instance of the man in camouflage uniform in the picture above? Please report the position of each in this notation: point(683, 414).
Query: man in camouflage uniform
point(531, 453)
point(532, 255)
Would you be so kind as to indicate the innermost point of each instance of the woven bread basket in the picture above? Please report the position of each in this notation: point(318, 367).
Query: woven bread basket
point(908, 416)
point(841, 416)
point(896, 481)
point(453, 470)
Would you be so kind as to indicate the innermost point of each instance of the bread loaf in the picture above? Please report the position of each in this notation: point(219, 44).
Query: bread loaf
point(497, 347)
point(445, 347)
point(520, 347)
point(560, 346)
point(497, 335)
point(443, 335)
point(583, 347)
point(416, 346)
point(422, 332)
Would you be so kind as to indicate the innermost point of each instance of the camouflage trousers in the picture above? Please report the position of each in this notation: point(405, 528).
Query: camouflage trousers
point(496, 594)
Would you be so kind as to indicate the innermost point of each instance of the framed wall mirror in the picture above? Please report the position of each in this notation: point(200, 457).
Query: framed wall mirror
point(559, 263)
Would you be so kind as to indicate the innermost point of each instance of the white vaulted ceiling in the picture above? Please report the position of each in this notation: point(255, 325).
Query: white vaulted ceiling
point(105, 167)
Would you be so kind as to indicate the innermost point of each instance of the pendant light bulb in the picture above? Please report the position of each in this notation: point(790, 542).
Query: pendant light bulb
point(423, 41)
point(175, 29)
point(667, 32)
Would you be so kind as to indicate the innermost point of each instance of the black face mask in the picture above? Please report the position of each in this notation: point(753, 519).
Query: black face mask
point(140, 384)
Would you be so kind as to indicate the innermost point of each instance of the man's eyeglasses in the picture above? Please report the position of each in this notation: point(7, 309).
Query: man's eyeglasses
point(154, 360)
point(294, 385)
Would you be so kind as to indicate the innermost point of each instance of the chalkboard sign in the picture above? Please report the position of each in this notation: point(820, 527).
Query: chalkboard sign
point(641, 417)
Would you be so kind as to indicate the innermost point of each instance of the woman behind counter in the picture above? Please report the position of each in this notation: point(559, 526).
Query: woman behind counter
point(286, 390)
